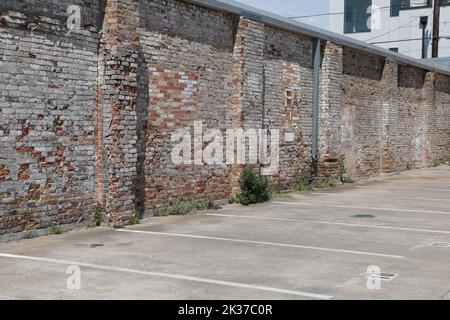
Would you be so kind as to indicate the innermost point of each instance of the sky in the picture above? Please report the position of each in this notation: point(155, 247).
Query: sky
point(289, 8)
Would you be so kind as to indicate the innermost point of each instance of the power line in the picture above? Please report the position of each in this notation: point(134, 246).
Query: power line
point(332, 13)
point(406, 40)
point(402, 40)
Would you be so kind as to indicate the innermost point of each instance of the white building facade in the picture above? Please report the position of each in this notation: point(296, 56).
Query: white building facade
point(404, 26)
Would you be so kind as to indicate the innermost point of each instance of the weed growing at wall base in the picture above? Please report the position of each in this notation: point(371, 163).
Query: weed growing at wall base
point(303, 185)
point(134, 220)
point(98, 215)
point(343, 172)
point(56, 230)
point(254, 189)
point(180, 207)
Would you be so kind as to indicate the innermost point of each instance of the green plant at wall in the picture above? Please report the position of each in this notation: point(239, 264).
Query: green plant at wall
point(343, 172)
point(254, 188)
point(98, 215)
point(437, 163)
point(332, 184)
point(56, 230)
point(134, 220)
point(181, 207)
point(303, 185)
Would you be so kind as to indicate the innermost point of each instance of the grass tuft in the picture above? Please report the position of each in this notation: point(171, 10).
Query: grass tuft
point(183, 208)
point(303, 185)
point(56, 230)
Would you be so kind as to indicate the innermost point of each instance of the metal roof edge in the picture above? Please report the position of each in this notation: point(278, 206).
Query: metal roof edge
point(274, 20)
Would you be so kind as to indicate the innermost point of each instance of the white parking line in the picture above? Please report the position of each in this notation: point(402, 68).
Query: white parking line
point(171, 276)
point(436, 171)
point(371, 196)
point(328, 223)
point(405, 189)
point(286, 245)
point(356, 207)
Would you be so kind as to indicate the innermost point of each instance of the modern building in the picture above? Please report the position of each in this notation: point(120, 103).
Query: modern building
point(404, 26)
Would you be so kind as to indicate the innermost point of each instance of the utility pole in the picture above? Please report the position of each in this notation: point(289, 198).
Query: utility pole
point(436, 22)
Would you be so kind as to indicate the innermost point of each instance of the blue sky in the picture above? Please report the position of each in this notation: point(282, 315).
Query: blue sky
point(288, 8)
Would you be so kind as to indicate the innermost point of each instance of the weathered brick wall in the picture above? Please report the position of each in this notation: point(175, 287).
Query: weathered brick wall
point(330, 112)
point(116, 163)
point(289, 72)
point(86, 117)
point(439, 128)
point(46, 108)
point(394, 117)
point(362, 98)
point(411, 82)
point(188, 54)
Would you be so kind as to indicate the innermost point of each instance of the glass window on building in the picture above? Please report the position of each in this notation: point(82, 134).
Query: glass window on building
point(395, 7)
point(357, 16)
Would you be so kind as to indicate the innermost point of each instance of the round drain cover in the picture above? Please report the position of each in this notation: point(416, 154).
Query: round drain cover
point(96, 245)
point(363, 216)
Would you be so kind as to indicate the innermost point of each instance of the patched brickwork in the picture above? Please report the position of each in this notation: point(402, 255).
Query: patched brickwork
point(288, 102)
point(330, 112)
point(188, 55)
point(117, 99)
point(86, 117)
point(46, 111)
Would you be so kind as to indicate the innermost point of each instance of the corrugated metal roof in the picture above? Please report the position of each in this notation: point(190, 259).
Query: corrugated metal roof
point(274, 20)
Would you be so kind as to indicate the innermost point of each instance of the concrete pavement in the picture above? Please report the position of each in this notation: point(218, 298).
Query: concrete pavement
point(314, 245)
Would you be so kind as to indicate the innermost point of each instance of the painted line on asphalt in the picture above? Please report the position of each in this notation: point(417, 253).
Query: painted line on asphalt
point(403, 189)
point(275, 244)
point(309, 204)
point(437, 171)
point(329, 223)
point(371, 196)
point(170, 276)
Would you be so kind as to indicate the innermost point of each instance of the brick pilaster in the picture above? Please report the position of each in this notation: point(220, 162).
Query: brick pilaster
point(424, 157)
point(116, 116)
point(247, 100)
point(330, 111)
point(389, 114)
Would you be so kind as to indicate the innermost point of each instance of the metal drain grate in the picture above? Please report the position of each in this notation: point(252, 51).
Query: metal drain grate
point(363, 216)
point(439, 244)
point(383, 276)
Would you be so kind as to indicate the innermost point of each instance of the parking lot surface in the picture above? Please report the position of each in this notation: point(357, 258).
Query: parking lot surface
point(323, 244)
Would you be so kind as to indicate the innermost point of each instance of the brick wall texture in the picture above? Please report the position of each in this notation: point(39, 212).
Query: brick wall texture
point(86, 117)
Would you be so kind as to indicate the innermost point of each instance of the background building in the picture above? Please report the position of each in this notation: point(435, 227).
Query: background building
point(405, 26)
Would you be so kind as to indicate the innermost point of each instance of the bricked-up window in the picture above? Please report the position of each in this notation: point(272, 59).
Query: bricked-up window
point(289, 103)
point(357, 16)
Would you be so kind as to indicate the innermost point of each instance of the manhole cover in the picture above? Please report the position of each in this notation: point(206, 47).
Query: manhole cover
point(439, 244)
point(363, 216)
point(96, 245)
